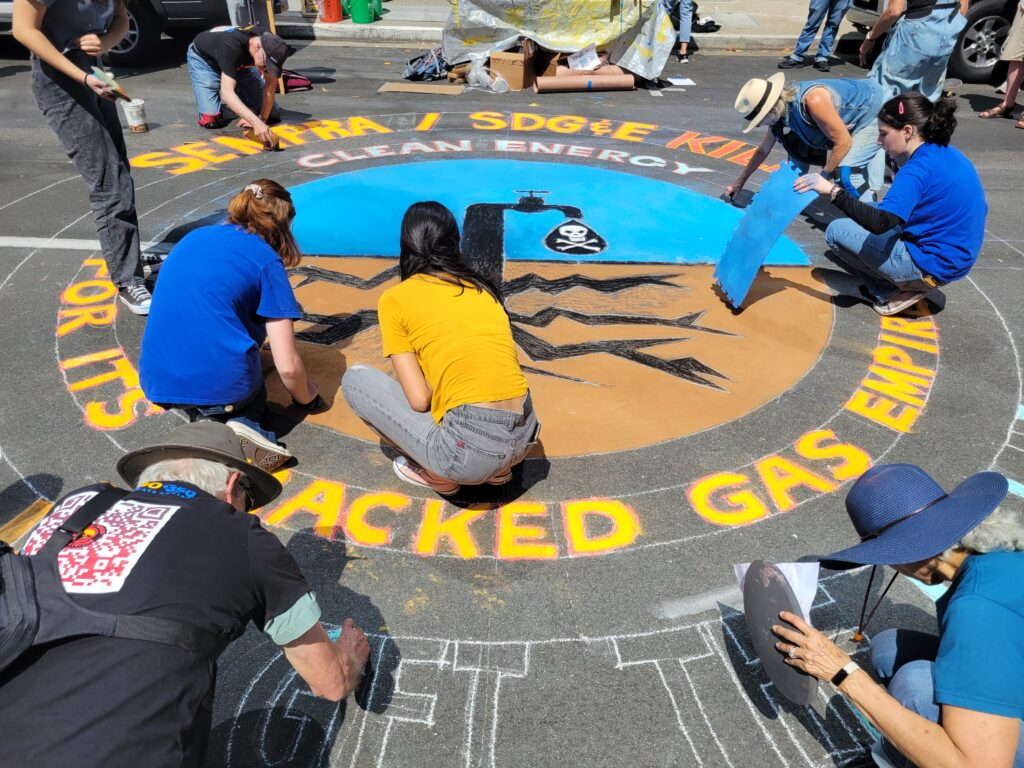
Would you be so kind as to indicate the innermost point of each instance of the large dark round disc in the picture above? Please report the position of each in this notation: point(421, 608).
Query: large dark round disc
point(766, 592)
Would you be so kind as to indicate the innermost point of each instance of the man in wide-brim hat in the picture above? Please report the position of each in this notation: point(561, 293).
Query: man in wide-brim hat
point(182, 547)
point(956, 699)
point(831, 123)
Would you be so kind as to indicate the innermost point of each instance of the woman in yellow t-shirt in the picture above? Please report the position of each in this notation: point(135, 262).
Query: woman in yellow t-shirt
point(460, 412)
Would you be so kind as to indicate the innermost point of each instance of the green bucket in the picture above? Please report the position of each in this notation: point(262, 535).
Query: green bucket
point(361, 11)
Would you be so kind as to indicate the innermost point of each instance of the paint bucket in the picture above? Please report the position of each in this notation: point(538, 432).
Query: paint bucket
point(135, 112)
point(330, 10)
point(362, 11)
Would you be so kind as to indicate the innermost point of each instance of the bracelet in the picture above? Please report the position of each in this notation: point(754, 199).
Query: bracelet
point(834, 192)
point(845, 672)
point(85, 80)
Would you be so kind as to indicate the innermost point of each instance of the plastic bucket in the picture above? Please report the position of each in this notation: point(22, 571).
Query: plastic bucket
point(330, 10)
point(362, 11)
point(378, 8)
point(135, 113)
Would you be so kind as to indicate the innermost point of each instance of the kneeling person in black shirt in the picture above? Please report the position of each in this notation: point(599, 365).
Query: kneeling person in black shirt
point(238, 67)
point(181, 546)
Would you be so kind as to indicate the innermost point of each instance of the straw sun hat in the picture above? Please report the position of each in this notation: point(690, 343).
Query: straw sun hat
point(757, 97)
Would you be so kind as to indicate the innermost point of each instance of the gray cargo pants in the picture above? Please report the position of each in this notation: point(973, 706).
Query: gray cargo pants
point(90, 131)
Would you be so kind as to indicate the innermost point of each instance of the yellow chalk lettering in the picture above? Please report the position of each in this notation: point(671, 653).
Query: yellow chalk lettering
point(744, 506)
point(523, 542)
point(910, 343)
point(359, 530)
point(290, 133)
point(204, 151)
point(322, 499)
point(88, 292)
point(175, 164)
point(525, 121)
point(633, 131)
point(900, 360)
point(625, 527)
point(898, 385)
point(488, 121)
point(92, 357)
point(122, 371)
point(823, 444)
point(327, 129)
point(566, 124)
point(454, 528)
point(97, 317)
point(428, 121)
point(781, 475)
point(880, 410)
point(99, 267)
point(363, 125)
point(244, 146)
point(97, 415)
point(923, 329)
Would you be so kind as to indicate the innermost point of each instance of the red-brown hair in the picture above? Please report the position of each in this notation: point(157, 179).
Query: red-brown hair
point(265, 208)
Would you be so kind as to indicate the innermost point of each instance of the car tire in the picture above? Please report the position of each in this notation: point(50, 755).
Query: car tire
point(140, 43)
point(976, 54)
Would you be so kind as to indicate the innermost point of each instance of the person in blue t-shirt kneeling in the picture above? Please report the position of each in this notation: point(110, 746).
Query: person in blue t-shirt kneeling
point(929, 228)
point(952, 699)
point(222, 291)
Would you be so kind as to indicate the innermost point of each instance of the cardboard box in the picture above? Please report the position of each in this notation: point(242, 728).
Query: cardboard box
point(545, 63)
point(516, 66)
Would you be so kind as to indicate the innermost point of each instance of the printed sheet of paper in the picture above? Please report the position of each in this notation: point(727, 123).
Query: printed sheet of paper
point(587, 59)
point(802, 578)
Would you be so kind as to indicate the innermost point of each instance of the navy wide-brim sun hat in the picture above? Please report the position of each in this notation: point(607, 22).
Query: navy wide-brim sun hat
point(903, 516)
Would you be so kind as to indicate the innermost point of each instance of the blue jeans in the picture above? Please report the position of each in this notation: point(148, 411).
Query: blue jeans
point(904, 660)
point(685, 9)
point(206, 85)
point(829, 11)
point(249, 412)
point(881, 261)
point(471, 444)
point(916, 51)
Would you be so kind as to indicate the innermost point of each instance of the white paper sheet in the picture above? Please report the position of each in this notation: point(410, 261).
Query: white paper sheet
point(802, 578)
point(681, 81)
point(586, 59)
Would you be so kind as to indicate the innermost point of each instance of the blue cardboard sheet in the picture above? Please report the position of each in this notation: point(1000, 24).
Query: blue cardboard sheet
point(770, 212)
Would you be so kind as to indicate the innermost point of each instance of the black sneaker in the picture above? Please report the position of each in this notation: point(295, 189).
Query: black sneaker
point(151, 262)
point(822, 65)
point(791, 63)
point(136, 296)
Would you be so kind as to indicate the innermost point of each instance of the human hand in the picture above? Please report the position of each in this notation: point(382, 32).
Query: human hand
point(353, 651)
point(732, 189)
point(813, 181)
point(262, 131)
point(809, 650)
point(100, 88)
point(865, 50)
point(90, 44)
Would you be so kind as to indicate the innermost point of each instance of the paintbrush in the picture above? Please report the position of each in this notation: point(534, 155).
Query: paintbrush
point(109, 81)
point(275, 141)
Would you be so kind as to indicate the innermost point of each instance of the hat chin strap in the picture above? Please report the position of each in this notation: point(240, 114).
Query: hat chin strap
point(899, 520)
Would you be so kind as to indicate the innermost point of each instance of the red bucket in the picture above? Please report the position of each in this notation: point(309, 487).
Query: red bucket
point(330, 10)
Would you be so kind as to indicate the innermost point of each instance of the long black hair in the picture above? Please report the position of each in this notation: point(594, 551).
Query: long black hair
point(429, 245)
point(935, 123)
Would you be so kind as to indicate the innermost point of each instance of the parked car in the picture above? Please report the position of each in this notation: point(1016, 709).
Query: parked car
point(977, 51)
point(148, 19)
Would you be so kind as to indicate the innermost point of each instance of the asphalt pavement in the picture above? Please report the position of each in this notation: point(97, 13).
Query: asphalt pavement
point(588, 614)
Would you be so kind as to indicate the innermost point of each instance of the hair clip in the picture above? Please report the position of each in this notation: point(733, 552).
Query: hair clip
point(257, 190)
point(901, 108)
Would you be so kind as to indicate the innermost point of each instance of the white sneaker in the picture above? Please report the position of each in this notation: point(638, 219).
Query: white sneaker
point(151, 262)
point(258, 450)
point(136, 296)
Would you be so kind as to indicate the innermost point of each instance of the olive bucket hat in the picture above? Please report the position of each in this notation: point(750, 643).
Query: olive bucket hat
point(202, 440)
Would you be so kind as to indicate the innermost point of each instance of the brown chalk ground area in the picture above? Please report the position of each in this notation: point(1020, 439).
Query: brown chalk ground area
point(596, 385)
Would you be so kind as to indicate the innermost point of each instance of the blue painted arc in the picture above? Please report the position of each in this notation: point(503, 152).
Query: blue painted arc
point(644, 220)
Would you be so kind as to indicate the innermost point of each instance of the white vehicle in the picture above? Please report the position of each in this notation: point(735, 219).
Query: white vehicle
point(977, 51)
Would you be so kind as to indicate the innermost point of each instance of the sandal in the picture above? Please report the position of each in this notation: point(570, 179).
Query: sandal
point(1000, 110)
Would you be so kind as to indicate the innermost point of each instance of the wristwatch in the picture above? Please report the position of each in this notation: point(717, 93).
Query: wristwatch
point(826, 175)
point(845, 672)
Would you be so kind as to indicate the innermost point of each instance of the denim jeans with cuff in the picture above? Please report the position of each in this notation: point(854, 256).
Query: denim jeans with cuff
point(471, 445)
point(249, 411)
point(882, 261)
point(91, 133)
point(206, 85)
point(829, 11)
point(903, 660)
point(685, 11)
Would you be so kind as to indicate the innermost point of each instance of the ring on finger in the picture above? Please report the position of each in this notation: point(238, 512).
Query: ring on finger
point(792, 652)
